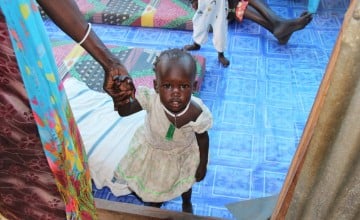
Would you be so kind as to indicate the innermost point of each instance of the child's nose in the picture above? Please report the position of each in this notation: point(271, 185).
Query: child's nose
point(176, 91)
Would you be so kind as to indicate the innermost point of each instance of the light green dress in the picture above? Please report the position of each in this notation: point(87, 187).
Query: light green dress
point(155, 168)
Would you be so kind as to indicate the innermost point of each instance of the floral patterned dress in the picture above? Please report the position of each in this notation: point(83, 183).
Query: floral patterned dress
point(43, 167)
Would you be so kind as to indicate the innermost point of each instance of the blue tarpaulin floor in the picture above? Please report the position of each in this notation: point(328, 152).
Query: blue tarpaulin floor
point(260, 103)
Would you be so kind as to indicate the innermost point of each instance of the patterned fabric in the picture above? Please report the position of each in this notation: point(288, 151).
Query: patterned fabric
point(27, 163)
point(155, 168)
point(174, 14)
point(138, 61)
point(23, 166)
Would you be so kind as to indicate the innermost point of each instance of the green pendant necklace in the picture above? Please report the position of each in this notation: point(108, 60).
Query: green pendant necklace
point(171, 130)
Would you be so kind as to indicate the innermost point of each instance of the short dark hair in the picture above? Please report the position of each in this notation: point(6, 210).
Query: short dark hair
point(176, 55)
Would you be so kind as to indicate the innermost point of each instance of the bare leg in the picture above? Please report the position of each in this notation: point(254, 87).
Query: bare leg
point(154, 204)
point(193, 46)
point(252, 14)
point(187, 205)
point(223, 60)
point(282, 29)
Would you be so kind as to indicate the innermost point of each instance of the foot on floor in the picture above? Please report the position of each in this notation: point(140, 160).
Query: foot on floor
point(193, 46)
point(223, 60)
point(187, 207)
point(154, 204)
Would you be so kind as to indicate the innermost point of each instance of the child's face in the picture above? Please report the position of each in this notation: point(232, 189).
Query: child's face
point(175, 89)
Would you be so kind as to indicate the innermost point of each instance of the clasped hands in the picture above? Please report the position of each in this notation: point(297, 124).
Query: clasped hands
point(119, 85)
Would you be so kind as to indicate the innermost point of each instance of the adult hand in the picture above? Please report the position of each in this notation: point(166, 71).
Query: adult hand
point(118, 84)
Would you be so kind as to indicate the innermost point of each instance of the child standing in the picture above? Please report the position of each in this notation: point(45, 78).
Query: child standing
point(169, 153)
point(210, 13)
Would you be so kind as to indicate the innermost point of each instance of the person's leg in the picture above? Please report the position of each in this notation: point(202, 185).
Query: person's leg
point(282, 29)
point(193, 46)
point(220, 32)
point(265, 11)
point(154, 204)
point(252, 14)
point(223, 60)
point(201, 21)
point(186, 198)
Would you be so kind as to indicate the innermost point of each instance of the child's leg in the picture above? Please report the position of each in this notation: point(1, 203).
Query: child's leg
point(187, 205)
point(201, 23)
point(220, 32)
point(193, 46)
point(223, 60)
point(154, 204)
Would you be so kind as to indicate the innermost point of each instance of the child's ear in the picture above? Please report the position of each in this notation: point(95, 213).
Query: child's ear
point(195, 85)
point(156, 86)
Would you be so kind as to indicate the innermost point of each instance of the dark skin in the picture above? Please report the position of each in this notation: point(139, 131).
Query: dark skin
point(68, 18)
point(281, 28)
point(175, 86)
point(259, 12)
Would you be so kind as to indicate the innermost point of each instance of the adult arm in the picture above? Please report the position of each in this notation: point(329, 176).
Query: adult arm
point(203, 143)
point(67, 16)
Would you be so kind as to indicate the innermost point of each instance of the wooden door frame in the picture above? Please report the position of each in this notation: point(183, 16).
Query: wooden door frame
point(297, 163)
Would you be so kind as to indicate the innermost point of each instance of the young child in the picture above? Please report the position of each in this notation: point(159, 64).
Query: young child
point(210, 13)
point(169, 153)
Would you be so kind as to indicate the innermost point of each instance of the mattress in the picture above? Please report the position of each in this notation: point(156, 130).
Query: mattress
point(172, 14)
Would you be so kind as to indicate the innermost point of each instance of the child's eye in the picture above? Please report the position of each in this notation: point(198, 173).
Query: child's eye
point(166, 86)
point(184, 86)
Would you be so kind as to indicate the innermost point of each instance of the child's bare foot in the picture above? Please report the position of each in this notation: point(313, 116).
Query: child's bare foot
point(193, 46)
point(154, 204)
point(285, 28)
point(187, 207)
point(223, 60)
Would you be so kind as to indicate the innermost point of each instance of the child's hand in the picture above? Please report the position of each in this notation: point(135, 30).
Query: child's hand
point(201, 171)
point(126, 86)
point(113, 86)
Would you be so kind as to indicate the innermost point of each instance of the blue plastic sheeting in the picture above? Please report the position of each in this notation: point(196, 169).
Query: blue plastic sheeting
point(260, 103)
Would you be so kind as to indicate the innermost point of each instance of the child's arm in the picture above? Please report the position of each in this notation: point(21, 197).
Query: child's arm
point(203, 142)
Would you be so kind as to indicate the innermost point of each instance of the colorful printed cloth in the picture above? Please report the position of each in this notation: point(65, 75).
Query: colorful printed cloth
point(138, 61)
point(172, 14)
point(61, 141)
